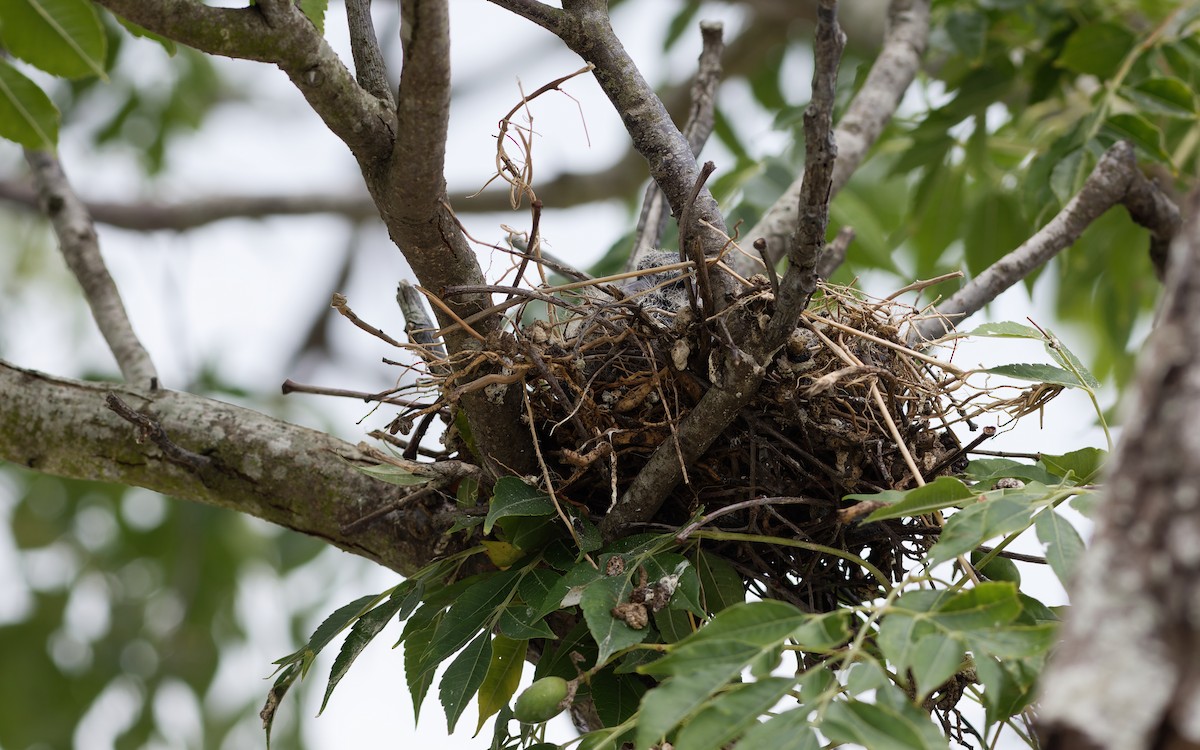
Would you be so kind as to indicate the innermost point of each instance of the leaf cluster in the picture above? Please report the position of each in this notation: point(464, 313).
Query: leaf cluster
point(708, 668)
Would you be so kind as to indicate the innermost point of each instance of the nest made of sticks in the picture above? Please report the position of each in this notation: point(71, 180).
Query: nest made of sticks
point(845, 408)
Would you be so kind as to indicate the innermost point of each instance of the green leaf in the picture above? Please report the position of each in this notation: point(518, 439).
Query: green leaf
point(1084, 463)
point(1038, 373)
point(1096, 49)
point(882, 727)
point(1065, 357)
point(738, 635)
point(788, 731)
point(393, 475)
point(995, 226)
point(416, 643)
point(1062, 541)
point(523, 620)
point(673, 624)
point(968, 33)
point(988, 470)
point(1070, 172)
point(1006, 330)
point(470, 613)
point(732, 713)
point(943, 492)
point(898, 637)
point(1013, 641)
point(971, 527)
point(275, 695)
point(720, 585)
point(986, 605)
point(864, 676)
point(315, 10)
point(673, 701)
point(680, 23)
point(168, 45)
point(1144, 134)
point(824, 632)
point(934, 660)
point(463, 678)
point(335, 623)
point(62, 37)
point(512, 497)
point(1007, 688)
point(1163, 95)
point(615, 696)
point(363, 631)
point(763, 623)
point(611, 634)
point(502, 678)
point(27, 115)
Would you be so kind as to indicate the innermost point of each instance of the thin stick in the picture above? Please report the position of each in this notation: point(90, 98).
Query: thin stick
point(339, 303)
point(291, 386)
point(150, 430)
point(437, 301)
point(686, 531)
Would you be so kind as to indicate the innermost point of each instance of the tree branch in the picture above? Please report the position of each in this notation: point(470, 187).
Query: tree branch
point(701, 120)
point(549, 18)
point(1115, 179)
point(816, 188)
point(743, 370)
point(869, 112)
point(1126, 674)
point(77, 240)
point(567, 189)
point(291, 476)
point(411, 194)
point(281, 34)
point(369, 67)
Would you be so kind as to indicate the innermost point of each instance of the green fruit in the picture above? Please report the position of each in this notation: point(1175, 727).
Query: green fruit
point(541, 701)
point(999, 569)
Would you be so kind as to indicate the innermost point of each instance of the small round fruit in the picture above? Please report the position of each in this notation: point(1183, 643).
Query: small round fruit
point(998, 569)
point(541, 701)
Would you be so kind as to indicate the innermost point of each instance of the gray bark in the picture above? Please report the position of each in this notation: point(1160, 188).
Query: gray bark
point(292, 476)
point(1127, 676)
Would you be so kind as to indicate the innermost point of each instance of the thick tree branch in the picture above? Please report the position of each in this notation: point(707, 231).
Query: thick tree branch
point(400, 152)
point(743, 370)
point(701, 120)
point(369, 67)
point(292, 476)
point(1115, 180)
point(1127, 675)
point(77, 240)
point(411, 195)
point(865, 118)
point(285, 37)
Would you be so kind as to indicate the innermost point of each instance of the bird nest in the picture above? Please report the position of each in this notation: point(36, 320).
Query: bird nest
point(845, 408)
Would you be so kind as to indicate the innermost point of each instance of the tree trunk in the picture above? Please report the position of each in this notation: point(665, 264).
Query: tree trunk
point(1127, 675)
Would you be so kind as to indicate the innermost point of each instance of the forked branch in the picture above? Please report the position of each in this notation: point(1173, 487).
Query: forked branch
point(865, 118)
point(1115, 180)
point(743, 370)
point(281, 34)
